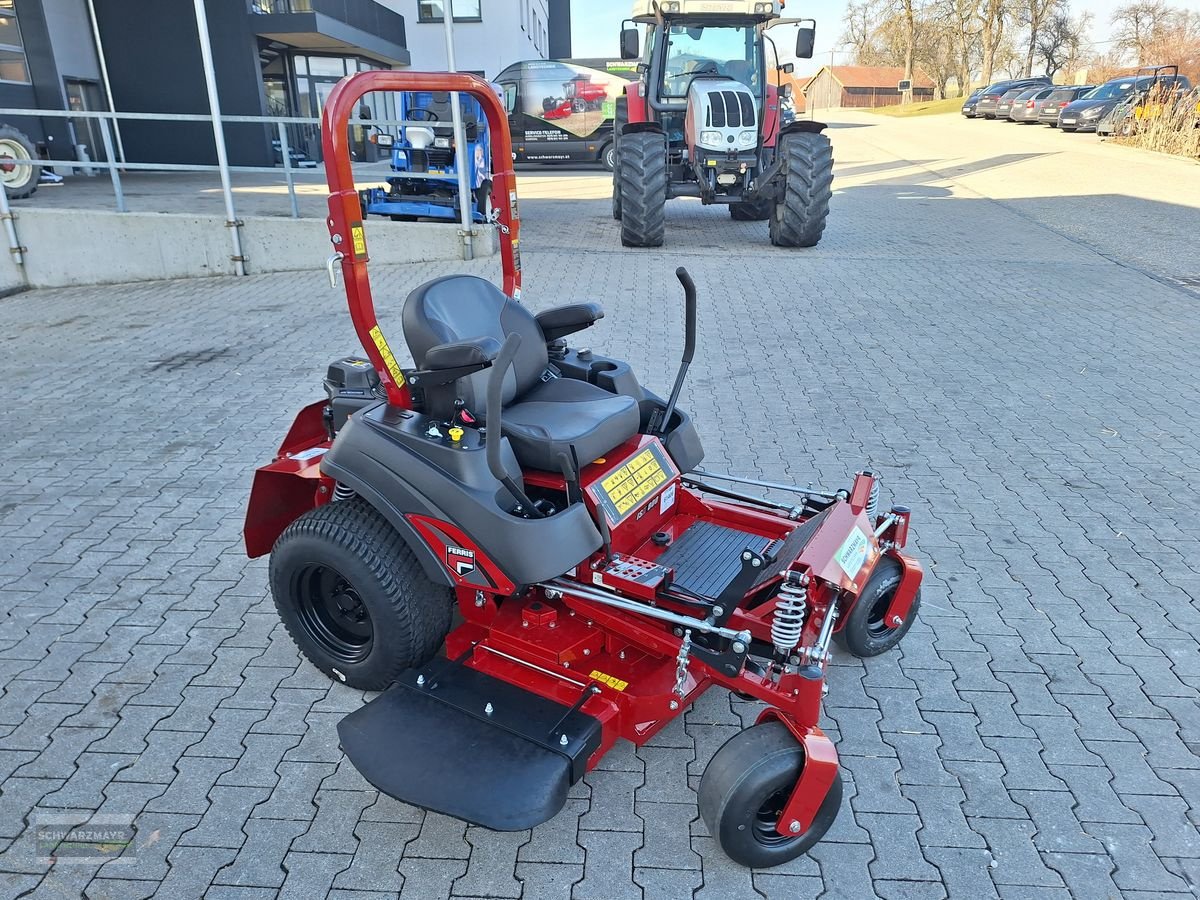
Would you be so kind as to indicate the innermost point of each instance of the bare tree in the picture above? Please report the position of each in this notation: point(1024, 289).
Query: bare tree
point(993, 16)
point(1033, 15)
point(1138, 25)
point(1061, 40)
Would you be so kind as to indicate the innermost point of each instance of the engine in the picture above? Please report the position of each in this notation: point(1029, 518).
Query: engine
point(721, 129)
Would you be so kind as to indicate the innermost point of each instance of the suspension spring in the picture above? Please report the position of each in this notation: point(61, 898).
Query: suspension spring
point(791, 606)
point(341, 492)
point(873, 501)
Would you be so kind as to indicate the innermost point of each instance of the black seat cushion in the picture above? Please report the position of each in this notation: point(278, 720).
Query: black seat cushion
point(541, 419)
point(563, 413)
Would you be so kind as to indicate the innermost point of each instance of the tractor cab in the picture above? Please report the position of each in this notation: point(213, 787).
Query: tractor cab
point(426, 161)
point(708, 95)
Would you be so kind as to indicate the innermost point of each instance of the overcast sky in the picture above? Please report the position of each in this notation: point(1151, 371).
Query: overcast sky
point(595, 24)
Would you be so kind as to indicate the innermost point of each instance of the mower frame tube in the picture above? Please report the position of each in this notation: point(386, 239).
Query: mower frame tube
point(345, 220)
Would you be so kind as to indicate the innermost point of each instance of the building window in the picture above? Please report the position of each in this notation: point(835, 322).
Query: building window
point(12, 48)
point(464, 10)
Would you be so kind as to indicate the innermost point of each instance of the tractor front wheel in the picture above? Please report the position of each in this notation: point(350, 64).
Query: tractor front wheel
point(799, 214)
point(757, 210)
point(743, 792)
point(354, 597)
point(20, 181)
point(865, 631)
point(642, 183)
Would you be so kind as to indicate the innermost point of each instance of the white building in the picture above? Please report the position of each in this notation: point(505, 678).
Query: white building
point(488, 34)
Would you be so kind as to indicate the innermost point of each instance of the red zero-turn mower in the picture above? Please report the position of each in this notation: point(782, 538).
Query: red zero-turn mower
point(604, 581)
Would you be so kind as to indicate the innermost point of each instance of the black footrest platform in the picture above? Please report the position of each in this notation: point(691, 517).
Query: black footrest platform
point(436, 745)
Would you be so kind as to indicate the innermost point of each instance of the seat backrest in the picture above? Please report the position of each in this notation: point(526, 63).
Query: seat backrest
point(461, 307)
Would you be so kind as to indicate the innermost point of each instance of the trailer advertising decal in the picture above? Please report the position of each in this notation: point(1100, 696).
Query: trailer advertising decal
point(573, 98)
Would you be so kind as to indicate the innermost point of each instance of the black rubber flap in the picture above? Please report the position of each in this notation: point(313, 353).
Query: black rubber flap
point(438, 748)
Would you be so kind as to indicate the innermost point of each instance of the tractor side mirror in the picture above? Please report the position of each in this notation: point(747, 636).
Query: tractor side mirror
point(629, 43)
point(806, 41)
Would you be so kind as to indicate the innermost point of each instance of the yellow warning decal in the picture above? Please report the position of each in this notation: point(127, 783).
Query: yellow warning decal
point(633, 481)
point(359, 240)
point(385, 351)
point(611, 680)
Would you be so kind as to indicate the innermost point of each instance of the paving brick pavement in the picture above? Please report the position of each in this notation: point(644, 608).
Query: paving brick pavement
point(1036, 735)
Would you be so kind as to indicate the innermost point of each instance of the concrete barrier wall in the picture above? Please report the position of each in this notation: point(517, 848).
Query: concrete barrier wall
point(72, 247)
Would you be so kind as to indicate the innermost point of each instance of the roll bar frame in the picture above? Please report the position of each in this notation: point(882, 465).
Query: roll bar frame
point(345, 219)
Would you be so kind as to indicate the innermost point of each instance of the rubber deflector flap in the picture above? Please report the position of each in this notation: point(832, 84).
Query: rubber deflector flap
point(413, 745)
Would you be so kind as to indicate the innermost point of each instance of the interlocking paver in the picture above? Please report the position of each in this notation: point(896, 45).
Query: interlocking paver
point(1036, 736)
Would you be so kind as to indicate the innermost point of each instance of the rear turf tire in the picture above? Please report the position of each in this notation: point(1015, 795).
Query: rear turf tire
point(353, 596)
point(744, 788)
point(798, 217)
point(756, 210)
point(642, 178)
point(864, 632)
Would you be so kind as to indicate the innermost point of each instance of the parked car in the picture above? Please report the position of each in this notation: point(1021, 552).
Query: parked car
point(989, 98)
point(1004, 104)
point(1049, 108)
point(968, 107)
point(1085, 114)
point(1025, 108)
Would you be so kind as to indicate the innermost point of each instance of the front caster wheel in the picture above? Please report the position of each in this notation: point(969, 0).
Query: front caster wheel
point(743, 792)
point(354, 598)
point(865, 632)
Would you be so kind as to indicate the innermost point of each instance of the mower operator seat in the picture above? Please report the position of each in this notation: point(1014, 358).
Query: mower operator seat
point(543, 415)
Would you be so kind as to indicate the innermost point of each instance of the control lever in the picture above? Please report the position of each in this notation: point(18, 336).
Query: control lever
point(689, 346)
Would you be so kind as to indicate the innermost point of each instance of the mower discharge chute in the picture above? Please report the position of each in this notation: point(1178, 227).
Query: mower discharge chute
point(604, 580)
point(426, 161)
point(704, 120)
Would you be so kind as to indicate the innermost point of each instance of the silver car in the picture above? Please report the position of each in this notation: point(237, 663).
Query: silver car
point(1025, 108)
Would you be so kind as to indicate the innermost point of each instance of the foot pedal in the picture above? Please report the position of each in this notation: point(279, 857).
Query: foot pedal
point(457, 741)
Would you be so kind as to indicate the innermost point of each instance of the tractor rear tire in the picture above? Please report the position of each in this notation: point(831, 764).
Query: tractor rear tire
point(799, 215)
point(642, 181)
point(865, 633)
point(354, 598)
point(757, 210)
point(620, 120)
point(19, 181)
point(742, 792)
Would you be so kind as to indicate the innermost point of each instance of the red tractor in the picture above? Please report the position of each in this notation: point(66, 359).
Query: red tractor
point(602, 580)
point(703, 121)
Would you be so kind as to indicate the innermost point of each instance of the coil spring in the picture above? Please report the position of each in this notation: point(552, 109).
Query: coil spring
point(791, 606)
point(873, 501)
point(341, 492)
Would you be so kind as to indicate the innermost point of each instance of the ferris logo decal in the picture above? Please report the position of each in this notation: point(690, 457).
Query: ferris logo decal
point(460, 560)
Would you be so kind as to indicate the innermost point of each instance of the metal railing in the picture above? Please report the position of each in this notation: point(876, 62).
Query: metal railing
point(107, 123)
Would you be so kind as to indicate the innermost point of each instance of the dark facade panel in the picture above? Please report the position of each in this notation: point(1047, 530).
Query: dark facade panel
point(560, 29)
point(154, 64)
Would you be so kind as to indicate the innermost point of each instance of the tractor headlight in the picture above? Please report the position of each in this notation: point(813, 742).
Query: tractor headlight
point(669, 6)
point(764, 7)
point(747, 138)
point(710, 139)
point(442, 142)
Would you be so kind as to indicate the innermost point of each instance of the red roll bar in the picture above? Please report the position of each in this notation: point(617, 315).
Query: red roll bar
point(345, 213)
